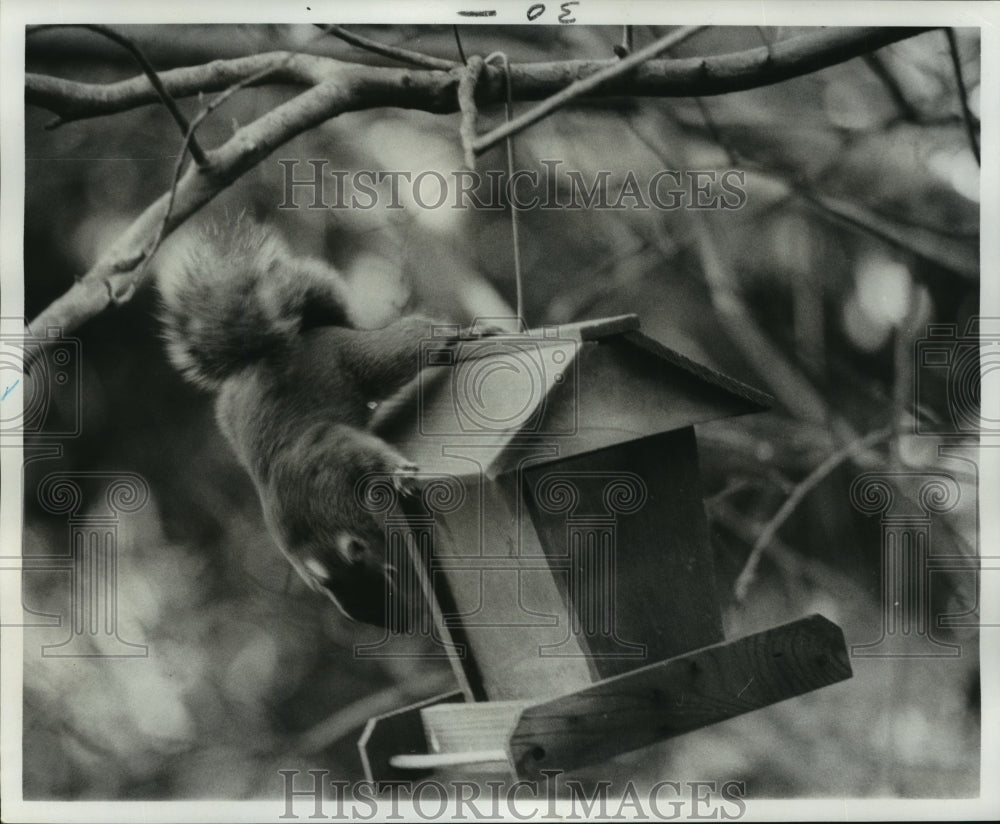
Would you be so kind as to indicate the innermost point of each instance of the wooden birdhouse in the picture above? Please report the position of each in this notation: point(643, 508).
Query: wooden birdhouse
point(560, 539)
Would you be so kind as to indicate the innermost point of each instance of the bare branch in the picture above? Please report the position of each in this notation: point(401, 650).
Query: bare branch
point(414, 58)
point(784, 379)
point(467, 80)
point(963, 96)
point(339, 87)
point(435, 91)
point(582, 87)
point(946, 250)
point(72, 100)
point(949, 254)
point(115, 273)
point(704, 76)
point(154, 79)
point(891, 85)
point(189, 137)
point(810, 482)
point(812, 570)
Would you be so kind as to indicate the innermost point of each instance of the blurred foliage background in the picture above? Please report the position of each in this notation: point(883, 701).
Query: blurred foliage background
point(860, 227)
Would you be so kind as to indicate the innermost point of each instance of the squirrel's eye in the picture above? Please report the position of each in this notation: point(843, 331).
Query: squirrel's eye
point(316, 569)
point(351, 549)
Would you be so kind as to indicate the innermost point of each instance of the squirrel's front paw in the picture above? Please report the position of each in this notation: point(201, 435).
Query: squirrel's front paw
point(404, 478)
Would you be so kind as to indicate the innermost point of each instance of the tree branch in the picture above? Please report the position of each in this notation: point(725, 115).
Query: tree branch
point(115, 273)
point(435, 90)
point(339, 87)
point(71, 100)
point(963, 96)
point(809, 483)
point(881, 71)
point(154, 80)
point(468, 77)
point(188, 138)
point(949, 254)
point(414, 58)
point(579, 88)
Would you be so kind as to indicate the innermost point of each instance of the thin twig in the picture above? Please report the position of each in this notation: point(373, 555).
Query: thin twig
point(189, 142)
point(784, 379)
point(810, 482)
point(425, 61)
point(73, 101)
point(514, 220)
point(151, 74)
point(338, 87)
point(716, 133)
point(434, 91)
point(816, 571)
point(584, 86)
point(956, 62)
point(953, 256)
point(468, 78)
point(888, 80)
point(458, 42)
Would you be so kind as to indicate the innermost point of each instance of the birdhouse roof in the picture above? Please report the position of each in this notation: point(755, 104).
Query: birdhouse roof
point(550, 393)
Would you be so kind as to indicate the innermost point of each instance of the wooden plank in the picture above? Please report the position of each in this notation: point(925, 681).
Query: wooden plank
point(679, 695)
point(499, 598)
point(596, 384)
point(471, 727)
point(601, 327)
point(398, 733)
point(750, 394)
point(662, 579)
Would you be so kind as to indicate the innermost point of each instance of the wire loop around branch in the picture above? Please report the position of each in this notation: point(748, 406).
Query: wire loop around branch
point(468, 79)
point(335, 87)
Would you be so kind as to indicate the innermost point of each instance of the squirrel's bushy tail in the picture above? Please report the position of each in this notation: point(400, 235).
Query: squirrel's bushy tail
point(236, 294)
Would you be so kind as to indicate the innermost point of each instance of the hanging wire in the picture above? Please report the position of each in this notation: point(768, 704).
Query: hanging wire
point(458, 42)
point(514, 224)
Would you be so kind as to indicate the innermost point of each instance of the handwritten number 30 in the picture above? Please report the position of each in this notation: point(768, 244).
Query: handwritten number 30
point(538, 9)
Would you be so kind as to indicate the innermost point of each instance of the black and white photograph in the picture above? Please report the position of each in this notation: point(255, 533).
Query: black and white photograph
point(485, 411)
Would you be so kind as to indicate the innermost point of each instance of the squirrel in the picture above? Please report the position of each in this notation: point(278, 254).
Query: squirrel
point(272, 335)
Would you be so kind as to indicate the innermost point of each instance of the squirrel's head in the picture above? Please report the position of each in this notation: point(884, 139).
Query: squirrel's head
point(355, 575)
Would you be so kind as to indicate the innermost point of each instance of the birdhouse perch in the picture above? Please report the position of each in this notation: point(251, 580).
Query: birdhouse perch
point(561, 542)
